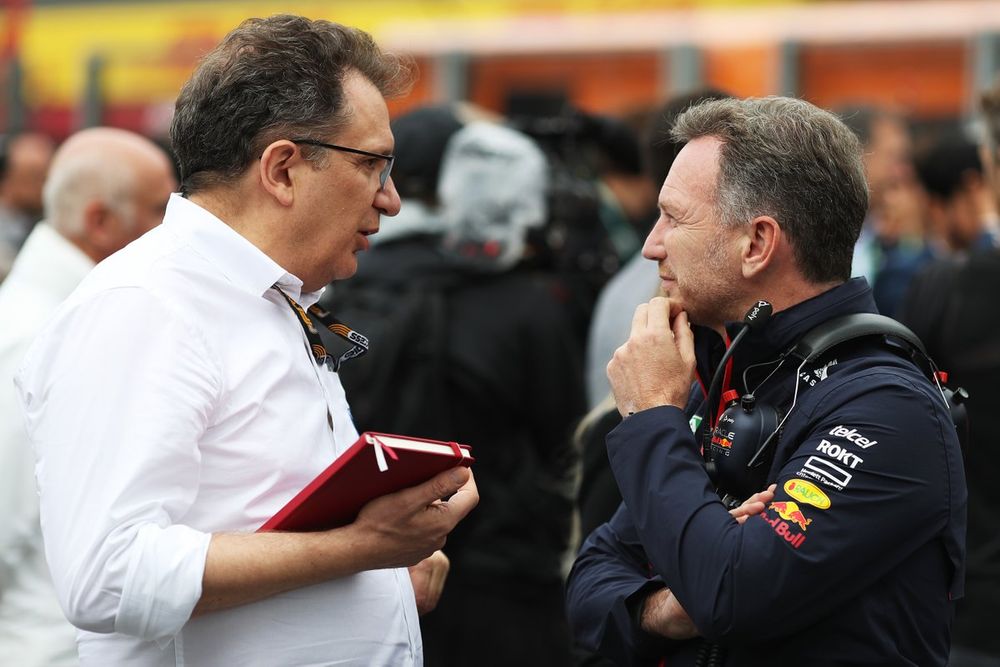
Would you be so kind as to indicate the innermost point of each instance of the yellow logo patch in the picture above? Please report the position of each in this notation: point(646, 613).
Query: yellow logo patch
point(807, 492)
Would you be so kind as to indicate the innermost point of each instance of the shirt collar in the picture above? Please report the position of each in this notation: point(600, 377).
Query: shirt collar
point(787, 326)
point(244, 264)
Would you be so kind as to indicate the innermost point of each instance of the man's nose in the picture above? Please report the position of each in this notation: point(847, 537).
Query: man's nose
point(387, 199)
point(652, 248)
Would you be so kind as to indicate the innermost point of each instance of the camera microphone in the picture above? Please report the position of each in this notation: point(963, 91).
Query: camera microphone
point(754, 320)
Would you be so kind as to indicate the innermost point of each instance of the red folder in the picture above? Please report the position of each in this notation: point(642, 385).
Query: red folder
point(376, 464)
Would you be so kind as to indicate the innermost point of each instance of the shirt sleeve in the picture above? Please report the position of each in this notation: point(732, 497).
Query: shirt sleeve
point(18, 499)
point(116, 395)
point(878, 458)
point(605, 590)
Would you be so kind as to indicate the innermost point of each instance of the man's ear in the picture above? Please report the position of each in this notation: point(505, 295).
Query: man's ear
point(761, 245)
point(276, 170)
point(98, 221)
point(102, 227)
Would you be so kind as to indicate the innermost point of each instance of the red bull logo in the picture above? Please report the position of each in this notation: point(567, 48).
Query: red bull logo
point(783, 530)
point(720, 441)
point(789, 511)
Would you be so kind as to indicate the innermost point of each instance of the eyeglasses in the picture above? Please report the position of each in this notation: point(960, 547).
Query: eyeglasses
point(383, 176)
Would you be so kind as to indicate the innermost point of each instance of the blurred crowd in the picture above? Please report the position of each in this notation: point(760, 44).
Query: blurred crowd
point(494, 301)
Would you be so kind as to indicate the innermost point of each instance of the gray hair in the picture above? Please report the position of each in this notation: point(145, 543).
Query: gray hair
point(270, 78)
point(790, 160)
point(75, 182)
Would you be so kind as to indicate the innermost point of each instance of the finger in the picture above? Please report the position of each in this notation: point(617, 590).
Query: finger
point(749, 507)
point(464, 499)
point(658, 314)
point(764, 496)
point(640, 318)
point(744, 512)
point(743, 509)
point(615, 379)
point(440, 486)
point(755, 507)
point(684, 338)
point(439, 574)
point(675, 309)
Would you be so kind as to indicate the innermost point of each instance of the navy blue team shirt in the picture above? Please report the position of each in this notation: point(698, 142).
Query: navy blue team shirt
point(859, 559)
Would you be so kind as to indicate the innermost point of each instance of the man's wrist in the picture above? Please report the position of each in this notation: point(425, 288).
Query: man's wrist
point(639, 608)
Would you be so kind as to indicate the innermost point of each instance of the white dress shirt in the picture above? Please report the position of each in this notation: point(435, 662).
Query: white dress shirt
point(174, 396)
point(33, 630)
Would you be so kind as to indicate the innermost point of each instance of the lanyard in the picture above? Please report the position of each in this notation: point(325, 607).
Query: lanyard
point(726, 385)
point(359, 343)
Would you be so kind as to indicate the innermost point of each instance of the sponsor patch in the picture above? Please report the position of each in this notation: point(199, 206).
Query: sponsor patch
point(825, 472)
point(839, 453)
point(694, 423)
point(823, 371)
point(720, 441)
point(852, 435)
point(807, 492)
point(789, 511)
point(790, 533)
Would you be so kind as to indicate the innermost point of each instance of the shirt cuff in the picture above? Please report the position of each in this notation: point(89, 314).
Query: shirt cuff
point(163, 582)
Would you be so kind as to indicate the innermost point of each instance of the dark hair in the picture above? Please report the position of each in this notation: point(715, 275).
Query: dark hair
point(421, 138)
point(788, 159)
point(945, 165)
point(270, 77)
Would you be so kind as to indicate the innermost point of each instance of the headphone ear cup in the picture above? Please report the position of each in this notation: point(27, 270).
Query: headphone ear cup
point(742, 429)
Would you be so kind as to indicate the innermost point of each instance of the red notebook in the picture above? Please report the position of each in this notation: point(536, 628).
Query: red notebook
point(377, 464)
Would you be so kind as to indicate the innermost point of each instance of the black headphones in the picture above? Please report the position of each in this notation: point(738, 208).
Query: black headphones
point(739, 454)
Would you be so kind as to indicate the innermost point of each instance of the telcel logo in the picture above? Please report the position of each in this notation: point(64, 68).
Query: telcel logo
point(852, 435)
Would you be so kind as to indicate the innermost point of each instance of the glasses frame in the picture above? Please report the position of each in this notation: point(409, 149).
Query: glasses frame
point(383, 176)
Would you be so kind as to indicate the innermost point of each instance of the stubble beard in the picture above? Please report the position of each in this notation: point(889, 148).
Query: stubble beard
point(712, 302)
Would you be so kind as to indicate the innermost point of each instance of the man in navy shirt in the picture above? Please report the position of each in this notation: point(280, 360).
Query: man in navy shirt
point(859, 556)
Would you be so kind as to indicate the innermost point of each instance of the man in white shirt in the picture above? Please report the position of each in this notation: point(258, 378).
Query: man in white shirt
point(24, 163)
point(174, 402)
point(106, 187)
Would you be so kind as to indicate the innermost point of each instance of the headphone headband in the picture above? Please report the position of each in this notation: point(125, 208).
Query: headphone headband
point(847, 327)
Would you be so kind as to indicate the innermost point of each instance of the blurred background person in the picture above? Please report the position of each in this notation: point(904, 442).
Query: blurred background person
point(960, 204)
point(400, 286)
point(952, 307)
point(627, 196)
point(637, 280)
point(892, 247)
point(421, 136)
point(24, 163)
point(106, 188)
point(599, 199)
point(489, 361)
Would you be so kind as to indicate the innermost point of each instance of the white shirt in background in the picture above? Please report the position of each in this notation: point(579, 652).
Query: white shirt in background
point(33, 630)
